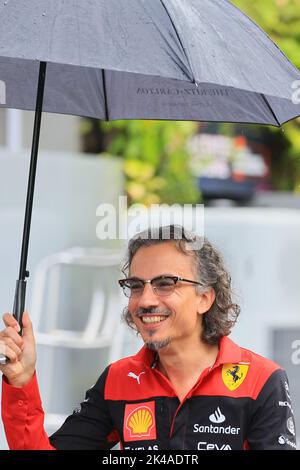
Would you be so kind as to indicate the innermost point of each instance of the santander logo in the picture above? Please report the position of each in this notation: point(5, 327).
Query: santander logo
point(217, 417)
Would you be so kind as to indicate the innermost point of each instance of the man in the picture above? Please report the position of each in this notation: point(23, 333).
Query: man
point(190, 387)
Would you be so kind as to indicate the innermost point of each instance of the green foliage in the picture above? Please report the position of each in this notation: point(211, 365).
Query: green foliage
point(156, 160)
point(281, 21)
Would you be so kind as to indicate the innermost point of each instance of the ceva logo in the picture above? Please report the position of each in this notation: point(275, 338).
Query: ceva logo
point(210, 446)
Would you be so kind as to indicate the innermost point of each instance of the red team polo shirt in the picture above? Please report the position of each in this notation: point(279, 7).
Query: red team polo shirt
point(242, 402)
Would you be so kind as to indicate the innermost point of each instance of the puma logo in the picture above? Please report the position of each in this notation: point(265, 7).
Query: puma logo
point(136, 377)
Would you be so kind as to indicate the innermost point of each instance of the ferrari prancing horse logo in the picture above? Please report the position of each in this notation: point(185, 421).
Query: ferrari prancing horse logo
point(233, 375)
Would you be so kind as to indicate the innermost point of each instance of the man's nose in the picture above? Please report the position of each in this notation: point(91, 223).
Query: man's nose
point(148, 297)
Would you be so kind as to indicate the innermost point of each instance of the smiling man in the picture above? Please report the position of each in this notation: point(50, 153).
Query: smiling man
point(190, 387)
point(166, 306)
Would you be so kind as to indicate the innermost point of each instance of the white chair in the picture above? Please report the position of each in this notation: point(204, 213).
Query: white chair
point(102, 327)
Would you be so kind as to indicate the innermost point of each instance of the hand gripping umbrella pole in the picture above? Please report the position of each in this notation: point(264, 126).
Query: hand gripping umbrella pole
point(20, 290)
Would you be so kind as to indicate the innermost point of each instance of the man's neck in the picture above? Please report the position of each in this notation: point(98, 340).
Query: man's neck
point(181, 363)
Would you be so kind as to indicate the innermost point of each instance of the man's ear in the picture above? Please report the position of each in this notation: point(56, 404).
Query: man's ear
point(205, 301)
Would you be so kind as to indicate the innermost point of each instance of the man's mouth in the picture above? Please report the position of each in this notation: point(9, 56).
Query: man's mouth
point(153, 318)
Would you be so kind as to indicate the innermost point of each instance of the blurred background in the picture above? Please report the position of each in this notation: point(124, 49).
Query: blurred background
point(247, 177)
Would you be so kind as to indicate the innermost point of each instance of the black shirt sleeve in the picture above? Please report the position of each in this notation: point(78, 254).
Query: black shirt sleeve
point(90, 427)
point(272, 426)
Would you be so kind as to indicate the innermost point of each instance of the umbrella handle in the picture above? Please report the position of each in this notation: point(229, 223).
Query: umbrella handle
point(19, 304)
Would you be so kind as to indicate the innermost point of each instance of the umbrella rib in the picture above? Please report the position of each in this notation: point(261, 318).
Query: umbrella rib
point(270, 108)
point(179, 39)
point(105, 95)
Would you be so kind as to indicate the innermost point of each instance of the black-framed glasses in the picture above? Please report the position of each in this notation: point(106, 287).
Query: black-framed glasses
point(161, 285)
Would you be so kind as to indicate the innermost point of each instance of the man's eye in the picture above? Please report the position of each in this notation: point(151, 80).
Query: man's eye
point(135, 285)
point(161, 283)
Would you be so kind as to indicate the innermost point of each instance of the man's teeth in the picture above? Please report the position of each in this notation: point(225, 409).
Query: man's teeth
point(153, 319)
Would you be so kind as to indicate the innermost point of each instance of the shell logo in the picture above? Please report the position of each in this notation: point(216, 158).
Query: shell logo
point(139, 422)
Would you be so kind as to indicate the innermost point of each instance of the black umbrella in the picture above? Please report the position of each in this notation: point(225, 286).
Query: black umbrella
point(138, 59)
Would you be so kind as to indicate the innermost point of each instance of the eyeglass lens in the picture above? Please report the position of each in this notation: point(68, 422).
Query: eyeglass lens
point(160, 285)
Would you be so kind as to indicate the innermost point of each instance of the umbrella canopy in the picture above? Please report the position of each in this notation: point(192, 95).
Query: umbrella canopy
point(198, 60)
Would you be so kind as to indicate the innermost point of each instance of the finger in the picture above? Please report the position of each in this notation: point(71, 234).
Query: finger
point(27, 325)
point(9, 320)
point(11, 333)
point(12, 345)
point(8, 352)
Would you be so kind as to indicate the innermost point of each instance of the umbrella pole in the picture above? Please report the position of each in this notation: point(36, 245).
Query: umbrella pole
point(19, 301)
point(20, 290)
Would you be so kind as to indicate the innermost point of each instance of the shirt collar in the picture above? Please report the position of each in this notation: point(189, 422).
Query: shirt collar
point(229, 352)
point(146, 356)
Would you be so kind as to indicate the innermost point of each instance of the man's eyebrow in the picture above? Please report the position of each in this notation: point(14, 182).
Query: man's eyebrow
point(166, 274)
point(154, 277)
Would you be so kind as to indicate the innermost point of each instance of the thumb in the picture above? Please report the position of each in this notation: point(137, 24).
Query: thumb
point(27, 325)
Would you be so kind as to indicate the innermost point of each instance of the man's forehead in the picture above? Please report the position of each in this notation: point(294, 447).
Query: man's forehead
point(160, 259)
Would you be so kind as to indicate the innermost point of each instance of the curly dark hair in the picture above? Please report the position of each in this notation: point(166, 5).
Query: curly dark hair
point(209, 269)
